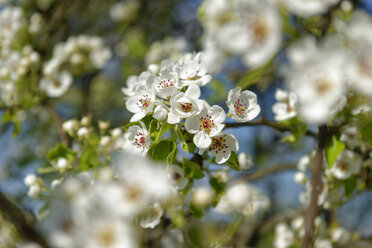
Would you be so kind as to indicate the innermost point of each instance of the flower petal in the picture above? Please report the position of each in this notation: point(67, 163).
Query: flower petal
point(202, 140)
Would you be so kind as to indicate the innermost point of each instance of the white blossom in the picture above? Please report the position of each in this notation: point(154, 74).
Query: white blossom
point(317, 78)
point(347, 164)
point(142, 103)
point(191, 71)
point(56, 86)
point(184, 105)
point(284, 236)
point(152, 216)
point(221, 147)
point(285, 108)
point(208, 123)
point(242, 104)
point(177, 175)
point(139, 139)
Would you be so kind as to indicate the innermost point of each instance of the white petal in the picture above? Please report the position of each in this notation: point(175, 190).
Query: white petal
point(192, 124)
point(137, 116)
point(131, 104)
point(222, 157)
point(232, 143)
point(234, 93)
point(216, 130)
point(253, 113)
point(193, 91)
point(218, 114)
point(202, 140)
point(172, 118)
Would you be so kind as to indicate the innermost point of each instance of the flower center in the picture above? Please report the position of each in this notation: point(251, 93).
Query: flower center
point(219, 145)
point(165, 84)
point(240, 108)
point(343, 166)
point(176, 176)
point(140, 140)
point(322, 86)
point(206, 123)
point(144, 102)
point(259, 29)
point(106, 237)
point(186, 107)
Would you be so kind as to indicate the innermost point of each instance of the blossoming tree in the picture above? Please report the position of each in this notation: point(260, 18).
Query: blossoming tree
point(127, 138)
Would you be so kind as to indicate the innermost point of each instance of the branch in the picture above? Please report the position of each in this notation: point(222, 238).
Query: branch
point(316, 186)
point(277, 126)
point(59, 123)
point(264, 172)
point(15, 215)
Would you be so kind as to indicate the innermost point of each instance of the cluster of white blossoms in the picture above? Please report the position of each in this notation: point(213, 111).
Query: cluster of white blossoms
point(322, 73)
point(317, 77)
point(347, 165)
point(169, 48)
point(171, 94)
point(288, 235)
point(106, 212)
point(76, 55)
point(248, 28)
point(15, 63)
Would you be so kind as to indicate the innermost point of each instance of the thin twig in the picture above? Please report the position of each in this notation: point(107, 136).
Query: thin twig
point(264, 172)
point(262, 122)
point(316, 186)
point(22, 223)
point(59, 123)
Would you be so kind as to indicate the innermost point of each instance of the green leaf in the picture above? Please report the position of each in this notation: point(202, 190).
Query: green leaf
point(164, 151)
point(218, 189)
point(296, 134)
point(333, 147)
point(181, 138)
point(366, 133)
point(254, 76)
point(233, 161)
point(192, 169)
point(60, 150)
point(349, 185)
point(196, 212)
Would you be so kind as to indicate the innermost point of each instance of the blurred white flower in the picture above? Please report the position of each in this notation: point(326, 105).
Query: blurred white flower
point(284, 236)
point(57, 85)
point(152, 216)
point(317, 77)
point(347, 164)
point(285, 108)
point(177, 175)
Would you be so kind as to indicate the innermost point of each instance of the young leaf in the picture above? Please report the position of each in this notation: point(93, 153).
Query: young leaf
point(192, 169)
point(218, 189)
point(233, 161)
point(333, 147)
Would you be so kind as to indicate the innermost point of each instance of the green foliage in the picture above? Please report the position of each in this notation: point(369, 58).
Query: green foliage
point(165, 150)
point(218, 189)
point(254, 76)
point(192, 169)
point(333, 147)
point(233, 161)
point(350, 185)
